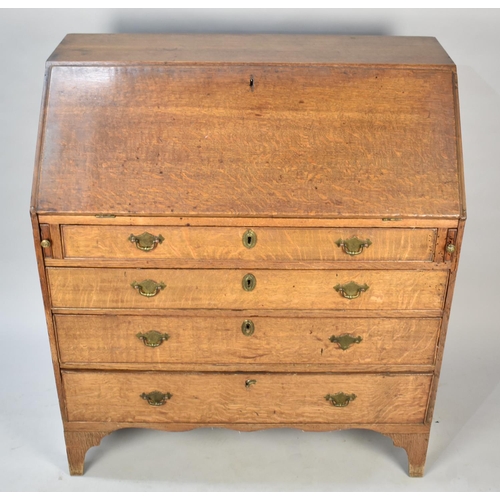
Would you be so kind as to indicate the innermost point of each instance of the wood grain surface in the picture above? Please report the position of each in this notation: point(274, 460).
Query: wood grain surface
point(302, 141)
point(227, 48)
point(220, 340)
point(225, 243)
point(77, 445)
point(247, 222)
point(415, 445)
point(279, 398)
point(222, 289)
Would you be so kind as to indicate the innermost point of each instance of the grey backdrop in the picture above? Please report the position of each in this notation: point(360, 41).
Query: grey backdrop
point(463, 452)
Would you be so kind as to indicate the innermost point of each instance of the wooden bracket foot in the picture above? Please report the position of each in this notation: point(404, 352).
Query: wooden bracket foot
point(416, 449)
point(77, 445)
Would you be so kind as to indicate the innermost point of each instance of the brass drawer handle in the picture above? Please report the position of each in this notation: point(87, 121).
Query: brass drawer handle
point(249, 282)
point(353, 246)
point(153, 338)
point(340, 399)
point(351, 290)
point(250, 382)
point(345, 341)
point(156, 398)
point(248, 327)
point(146, 241)
point(249, 238)
point(148, 288)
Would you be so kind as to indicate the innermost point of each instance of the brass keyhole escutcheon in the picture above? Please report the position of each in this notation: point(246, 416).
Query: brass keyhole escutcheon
point(249, 238)
point(248, 327)
point(249, 282)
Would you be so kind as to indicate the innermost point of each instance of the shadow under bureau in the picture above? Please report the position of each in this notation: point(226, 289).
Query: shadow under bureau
point(248, 231)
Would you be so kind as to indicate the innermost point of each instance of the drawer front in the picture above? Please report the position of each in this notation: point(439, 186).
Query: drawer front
point(246, 398)
point(223, 289)
point(237, 243)
point(225, 340)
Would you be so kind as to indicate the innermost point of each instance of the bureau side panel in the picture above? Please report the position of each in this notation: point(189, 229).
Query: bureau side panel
point(48, 314)
point(444, 323)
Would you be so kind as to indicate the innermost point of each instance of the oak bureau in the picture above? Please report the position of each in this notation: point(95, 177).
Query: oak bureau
point(248, 231)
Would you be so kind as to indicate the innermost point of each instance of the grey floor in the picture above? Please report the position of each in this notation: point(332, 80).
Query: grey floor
point(463, 451)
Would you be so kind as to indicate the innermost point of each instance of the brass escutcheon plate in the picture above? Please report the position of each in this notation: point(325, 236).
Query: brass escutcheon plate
point(249, 238)
point(248, 327)
point(249, 282)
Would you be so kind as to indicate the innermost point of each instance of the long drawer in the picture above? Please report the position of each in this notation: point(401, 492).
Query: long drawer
point(243, 398)
point(220, 339)
point(239, 243)
point(225, 289)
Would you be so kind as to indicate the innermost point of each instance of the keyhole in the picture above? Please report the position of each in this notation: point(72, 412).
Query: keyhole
point(249, 238)
point(251, 83)
point(247, 327)
point(249, 282)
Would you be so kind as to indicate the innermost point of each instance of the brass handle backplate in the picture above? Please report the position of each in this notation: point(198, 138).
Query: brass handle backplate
point(146, 241)
point(249, 282)
point(249, 238)
point(345, 341)
point(156, 398)
point(153, 338)
point(351, 290)
point(353, 246)
point(340, 399)
point(248, 327)
point(148, 288)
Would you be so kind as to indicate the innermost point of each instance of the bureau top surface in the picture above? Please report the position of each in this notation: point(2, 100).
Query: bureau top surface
point(373, 132)
point(260, 48)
